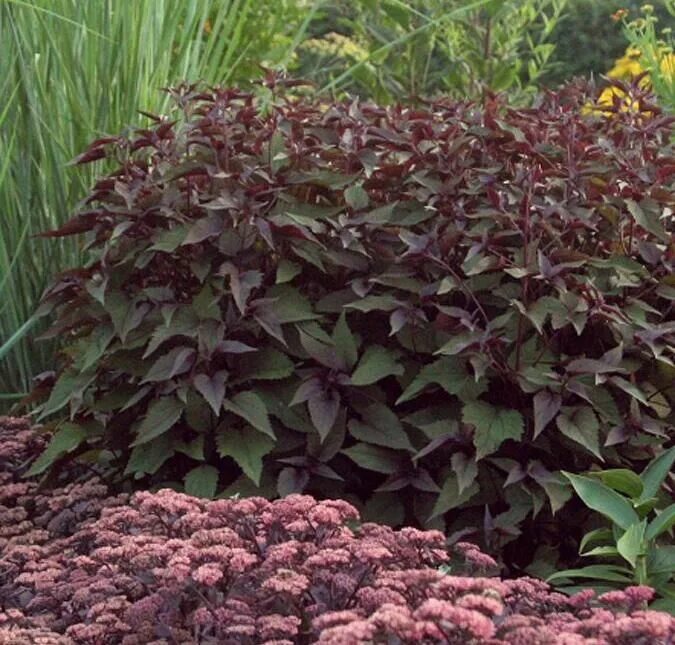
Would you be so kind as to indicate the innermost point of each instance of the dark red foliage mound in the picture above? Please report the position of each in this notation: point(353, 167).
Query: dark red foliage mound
point(428, 311)
point(169, 568)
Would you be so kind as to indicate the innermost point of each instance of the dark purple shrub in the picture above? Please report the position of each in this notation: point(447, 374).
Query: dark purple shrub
point(169, 568)
point(419, 310)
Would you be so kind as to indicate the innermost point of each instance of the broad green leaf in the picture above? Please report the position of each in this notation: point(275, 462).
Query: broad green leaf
point(202, 481)
point(466, 470)
point(250, 407)
point(602, 535)
point(292, 480)
point(246, 446)
point(380, 460)
point(607, 572)
point(581, 425)
point(602, 552)
point(290, 306)
point(380, 426)
point(344, 341)
point(324, 407)
point(68, 437)
point(620, 479)
point(450, 496)
point(212, 388)
point(162, 414)
point(376, 363)
point(267, 364)
point(546, 406)
point(94, 347)
point(604, 500)
point(286, 271)
point(492, 425)
point(169, 240)
point(67, 387)
point(630, 544)
point(448, 372)
point(149, 457)
point(320, 352)
point(183, 323)
point(193, 449)
point(375, 303)
point(664, 521)
point(648, 220)
point(656, 471)
point(356, 197)
point(661, 559)
point(177, 361)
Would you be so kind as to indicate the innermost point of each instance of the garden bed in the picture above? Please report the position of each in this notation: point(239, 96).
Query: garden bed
point(79, 564)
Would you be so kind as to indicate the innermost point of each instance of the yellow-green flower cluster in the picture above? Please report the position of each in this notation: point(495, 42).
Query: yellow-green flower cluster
point(334, 44)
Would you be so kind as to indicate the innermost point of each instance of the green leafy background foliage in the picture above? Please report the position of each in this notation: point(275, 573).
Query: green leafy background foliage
point(430, 312)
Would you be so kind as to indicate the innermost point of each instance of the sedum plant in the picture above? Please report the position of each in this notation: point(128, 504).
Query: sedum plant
point(81, 565)
point(639, 524)
point(429, 312)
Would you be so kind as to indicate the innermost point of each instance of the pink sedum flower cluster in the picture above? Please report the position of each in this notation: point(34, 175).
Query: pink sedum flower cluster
point(81, 566)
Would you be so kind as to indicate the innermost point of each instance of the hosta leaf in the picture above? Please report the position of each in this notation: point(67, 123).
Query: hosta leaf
point(630, 544)
point(380, 460)
point(246, 446)
point(492, 425)
point(68, 437)
point(202, 481)
point(250, 407)
point(661, 559)
point(375, 364)
point(664, 521)
point(607, 572)
point(581, 425)
point(655, 473)
point(622, 480)
point(212, 388)
point(177, 361)
point(604, 500)
point(162, 414)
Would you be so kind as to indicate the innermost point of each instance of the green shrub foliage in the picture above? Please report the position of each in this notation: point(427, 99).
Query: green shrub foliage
point(420, 310)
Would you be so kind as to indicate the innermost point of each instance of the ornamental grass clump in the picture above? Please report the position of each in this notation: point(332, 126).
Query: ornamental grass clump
point(169, 568)
point(418, 310)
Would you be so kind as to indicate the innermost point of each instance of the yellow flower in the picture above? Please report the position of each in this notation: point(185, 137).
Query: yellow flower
point(628, 66)
point(667, 65)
